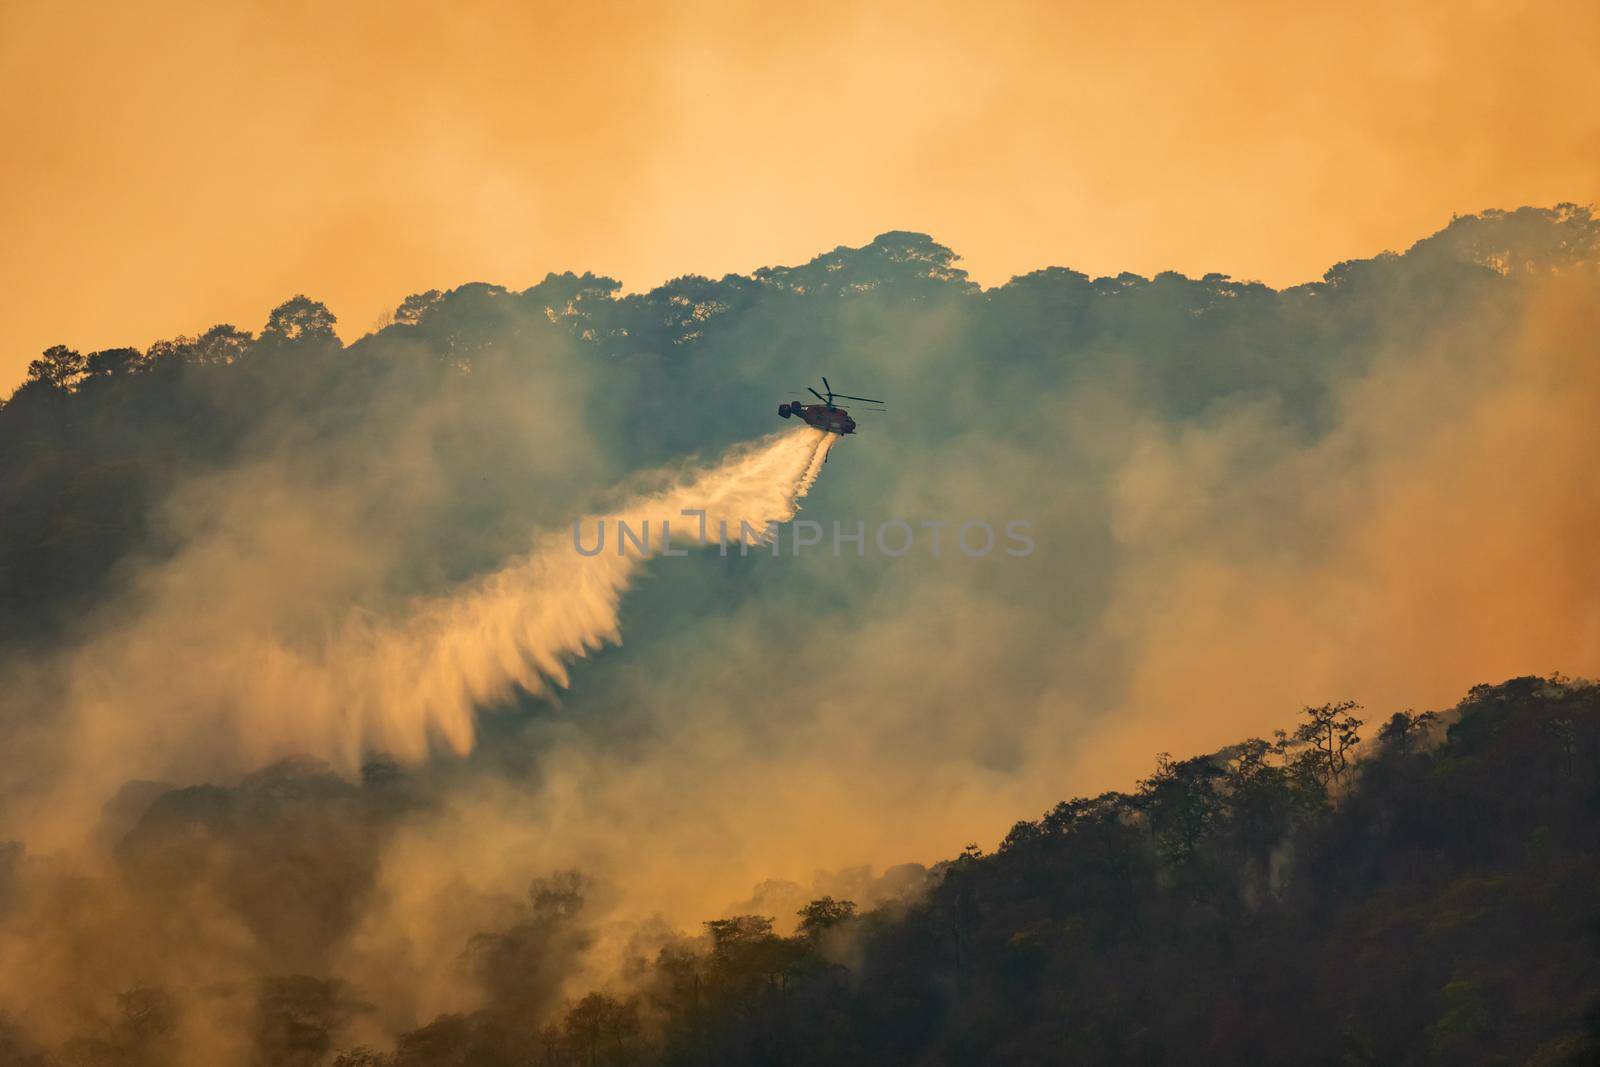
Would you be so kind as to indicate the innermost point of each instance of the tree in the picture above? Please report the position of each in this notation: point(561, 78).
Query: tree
point(446, 1042)
point(521, 968)
point(824, 914)
point(301, 1016)
point(1180, 801)
point(599, 1023)
point(59, 367)
point(1259, 799)
point(300, 320)
point(114, 362)
point(743, 950)
point(1331, 732)
point(415, 306)
point(1404, 728)
point(219, 346)
point(728, 934)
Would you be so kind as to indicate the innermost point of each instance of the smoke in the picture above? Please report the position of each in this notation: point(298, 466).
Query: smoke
point(295, 870)
point(1198, 577)
point(1197, 582)
point(1441, 536)
point(255, 687)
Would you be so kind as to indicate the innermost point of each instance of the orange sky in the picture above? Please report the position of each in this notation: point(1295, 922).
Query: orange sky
point(168, 166)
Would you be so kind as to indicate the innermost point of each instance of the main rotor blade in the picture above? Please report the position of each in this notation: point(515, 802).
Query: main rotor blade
point(866, 399)
point(818, 395)
point(828, 387)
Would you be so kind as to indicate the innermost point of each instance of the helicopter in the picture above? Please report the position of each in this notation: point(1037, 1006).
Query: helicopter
point(826, 415)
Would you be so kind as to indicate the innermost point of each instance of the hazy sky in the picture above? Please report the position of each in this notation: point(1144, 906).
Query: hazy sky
point(170, 166)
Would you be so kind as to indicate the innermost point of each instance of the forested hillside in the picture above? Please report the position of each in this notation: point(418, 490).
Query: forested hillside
point(93, 441)
point(1437, 901)
point(729, 829)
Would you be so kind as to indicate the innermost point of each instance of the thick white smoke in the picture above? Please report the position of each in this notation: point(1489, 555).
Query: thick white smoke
point(170, 694)
point(394, 687)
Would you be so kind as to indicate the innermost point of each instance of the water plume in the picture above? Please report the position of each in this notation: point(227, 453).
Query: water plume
point(410, 682)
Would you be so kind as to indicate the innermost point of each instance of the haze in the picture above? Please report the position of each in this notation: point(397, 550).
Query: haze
point(168, 168)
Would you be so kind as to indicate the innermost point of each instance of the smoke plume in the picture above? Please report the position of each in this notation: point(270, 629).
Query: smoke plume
point(248, 692)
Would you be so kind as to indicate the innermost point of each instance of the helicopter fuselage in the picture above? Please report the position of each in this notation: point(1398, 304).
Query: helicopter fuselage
point(822, 416)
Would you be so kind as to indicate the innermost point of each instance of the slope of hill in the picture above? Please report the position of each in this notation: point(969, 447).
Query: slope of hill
point(1379, 486)
point(1437, 901)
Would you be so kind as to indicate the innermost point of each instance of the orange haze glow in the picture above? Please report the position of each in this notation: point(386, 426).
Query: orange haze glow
point(174, 165)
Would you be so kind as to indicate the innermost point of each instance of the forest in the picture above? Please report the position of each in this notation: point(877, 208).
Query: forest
point(93, 441)
point(1420, 889)
point(1360, 497)
point(1437, 901)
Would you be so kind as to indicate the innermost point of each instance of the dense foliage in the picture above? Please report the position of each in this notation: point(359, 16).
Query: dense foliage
point(1436, 902)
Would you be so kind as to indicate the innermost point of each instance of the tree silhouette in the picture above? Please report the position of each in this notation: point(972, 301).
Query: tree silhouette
point(823, 914)
point(300, 320)
point(112, 362)
point(58, 368)
point(1331, 732)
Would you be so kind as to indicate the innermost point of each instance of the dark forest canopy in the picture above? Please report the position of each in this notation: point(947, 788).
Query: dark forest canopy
point(1435, 901)
point(91, 441)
